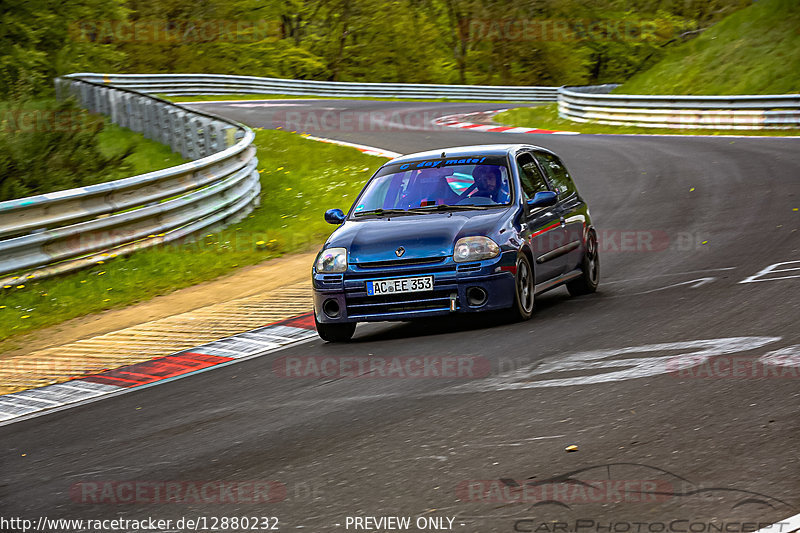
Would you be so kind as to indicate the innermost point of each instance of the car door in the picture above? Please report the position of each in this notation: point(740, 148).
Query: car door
point(542, 230)
point(571, 208)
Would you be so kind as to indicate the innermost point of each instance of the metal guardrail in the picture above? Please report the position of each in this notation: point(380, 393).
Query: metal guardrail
point(57, 232)
point(198, 84)
point(594, 104)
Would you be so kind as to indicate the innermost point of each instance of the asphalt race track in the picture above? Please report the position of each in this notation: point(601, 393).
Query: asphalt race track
point(683, 222)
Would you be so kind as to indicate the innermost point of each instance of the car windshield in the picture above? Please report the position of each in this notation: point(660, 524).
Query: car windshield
point(465, 183)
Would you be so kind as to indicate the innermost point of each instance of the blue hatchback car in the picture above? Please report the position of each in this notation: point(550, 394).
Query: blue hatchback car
point(459, 230)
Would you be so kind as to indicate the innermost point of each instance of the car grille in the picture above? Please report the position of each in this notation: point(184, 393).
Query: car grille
point(402, 262)
point(364, 306)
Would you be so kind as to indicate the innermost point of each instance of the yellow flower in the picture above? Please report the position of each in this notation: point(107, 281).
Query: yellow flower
point(259, 243)
point(279, 168)
point(83, 281)
point(288, 188)
point(6, 286)
point(25, 316)
point(2, 306)
point(100, 262)
point(101, 273)
point(107, 299)
point(20, 286)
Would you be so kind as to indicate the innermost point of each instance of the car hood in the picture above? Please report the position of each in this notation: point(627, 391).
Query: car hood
point(421, 236)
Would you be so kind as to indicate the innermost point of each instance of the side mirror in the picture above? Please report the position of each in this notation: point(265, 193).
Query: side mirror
point(334, 216)
point(543, 199)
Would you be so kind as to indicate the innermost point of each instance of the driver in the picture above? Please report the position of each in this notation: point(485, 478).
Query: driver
point(488, 181)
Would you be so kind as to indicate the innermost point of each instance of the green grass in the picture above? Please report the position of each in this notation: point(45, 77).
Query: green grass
point(753, 51)
point(546, 117)
point(300, 179)
point(147, 155)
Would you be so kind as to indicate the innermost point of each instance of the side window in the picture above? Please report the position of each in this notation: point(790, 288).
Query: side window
point(557, 173)
point(530, 176)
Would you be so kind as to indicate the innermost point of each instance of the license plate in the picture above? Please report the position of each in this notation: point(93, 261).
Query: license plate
point(395, 286)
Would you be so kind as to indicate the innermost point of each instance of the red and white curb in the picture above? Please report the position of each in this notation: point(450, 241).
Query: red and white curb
point(462, 121)
point(274, 337)
point(369, 150)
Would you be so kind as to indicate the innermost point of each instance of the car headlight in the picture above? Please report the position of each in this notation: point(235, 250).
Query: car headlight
point(332, 260)
point(475, 249)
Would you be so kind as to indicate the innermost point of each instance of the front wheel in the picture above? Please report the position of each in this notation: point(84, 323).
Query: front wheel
point(335, 332)
point(524, 289)
point(590, 267)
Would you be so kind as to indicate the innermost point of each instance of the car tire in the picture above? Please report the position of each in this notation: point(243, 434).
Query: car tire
point(523, 289)
point(590, 267)
point(335, 332)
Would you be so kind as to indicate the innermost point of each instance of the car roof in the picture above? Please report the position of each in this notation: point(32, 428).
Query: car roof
point(464, 151)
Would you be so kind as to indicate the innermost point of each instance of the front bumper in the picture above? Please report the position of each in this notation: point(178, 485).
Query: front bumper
point(451, 284)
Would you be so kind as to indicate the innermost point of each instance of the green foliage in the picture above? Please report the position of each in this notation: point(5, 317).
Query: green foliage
point(38, 42)
point(754, 51)
point(48, 146)
point(417, 41)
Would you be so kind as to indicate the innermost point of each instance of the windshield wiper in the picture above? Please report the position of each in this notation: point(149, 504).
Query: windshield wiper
point(382, 212)
point(446, 207)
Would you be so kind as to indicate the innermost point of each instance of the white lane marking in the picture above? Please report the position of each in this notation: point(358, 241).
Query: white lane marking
point(523, 442)
point(516, 380)
point(694, 284)
point(787, 357)
point(669, 275)
point(370, 150)
point(630, 368)
point(787, 525)
point(201, 102)
point(271, 104)
point(771, 269)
